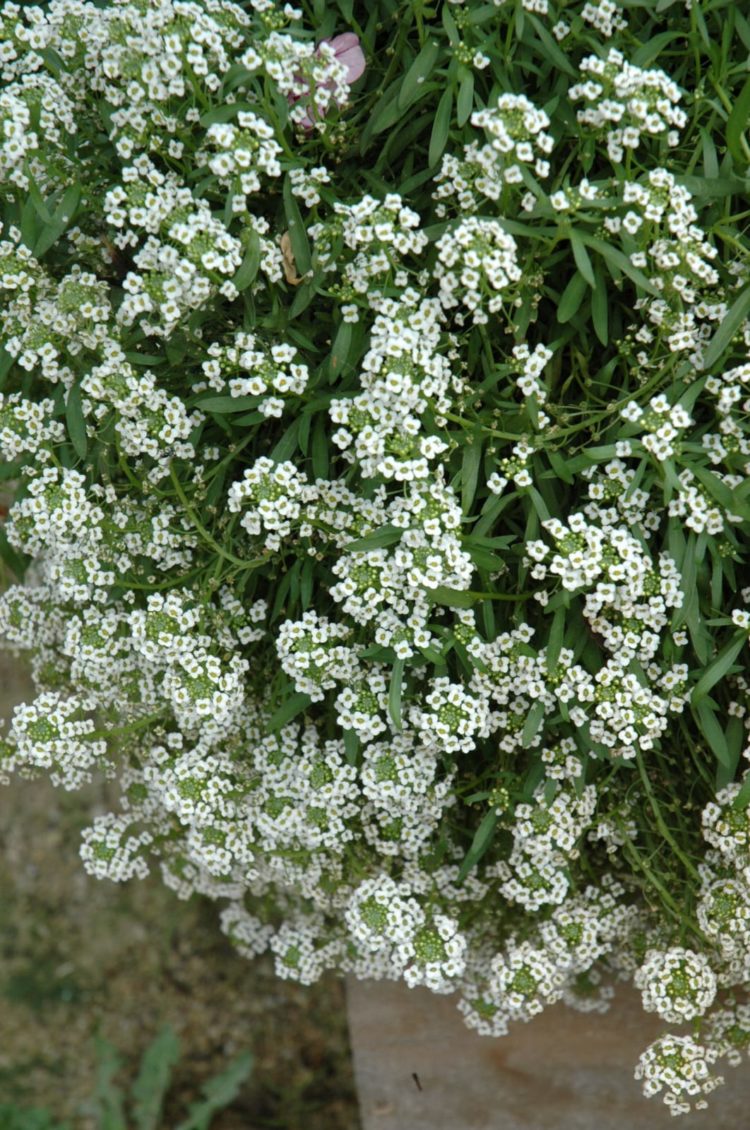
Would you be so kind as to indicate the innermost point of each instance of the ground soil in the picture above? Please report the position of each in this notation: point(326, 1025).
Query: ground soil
point(81, 958)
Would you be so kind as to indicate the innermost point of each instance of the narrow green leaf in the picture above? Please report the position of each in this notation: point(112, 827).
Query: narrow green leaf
point(742, 799)
point(737, 123)
point(552, 52)
point(571, 298)
point(713, 732)
point(247, 272)
point(531, 725)
point(287, 445)
point(224, 113)
point(560, 466)
point(341, 348)
point(719, 668)
point(306, 584)
point(385, 114)
point(61, 218)
point(452, 598)
point(472, 458)
point(600, 308)
point(441, 127)
point(320, 449)
point(465, 100)
point(293, 706)
point(6, 364)
point(417, 73)
point(11, 557)
point(351, 746)
point(153, 1079)
point(482, 840)
point(650, 50)
point(218, 1094)
point(394, 693)
point(619, 260)
point(378, 539)
point(108, 1098)
point(555, 641)
point(75, 421)
point(297, 231)
point(226, 405)
point(728, 327)
point(583, 261)
point(303, 298)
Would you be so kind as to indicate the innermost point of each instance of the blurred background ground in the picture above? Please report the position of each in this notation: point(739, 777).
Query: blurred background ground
point(80, 957)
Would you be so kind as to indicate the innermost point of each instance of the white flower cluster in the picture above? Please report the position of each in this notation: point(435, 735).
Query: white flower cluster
point(380, 527)
point(518, 134)
point(482, 265)
point(680, 1067)
point(677, 983)
point(403, 376)
point(245, 368)
point(626, 103)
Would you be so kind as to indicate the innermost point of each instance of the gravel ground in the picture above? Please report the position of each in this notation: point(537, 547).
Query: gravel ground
point(80, 957)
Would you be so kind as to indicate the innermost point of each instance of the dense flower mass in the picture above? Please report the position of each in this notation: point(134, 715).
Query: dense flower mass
point(375, 439)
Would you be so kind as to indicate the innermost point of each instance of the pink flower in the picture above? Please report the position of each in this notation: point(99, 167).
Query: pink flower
point(347, 51)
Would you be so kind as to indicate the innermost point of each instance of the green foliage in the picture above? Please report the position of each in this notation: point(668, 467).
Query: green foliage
point(140, 1106)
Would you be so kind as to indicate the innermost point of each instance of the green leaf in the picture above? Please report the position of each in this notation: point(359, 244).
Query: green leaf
point(719, 667)
point(12, 559)
point(297, 231)
point(14, 1117)
point(452, 598)
point(218, 1094)
point(555, 641)
point(729, 326)
point(581, 256)
point(441, 127)
point(482, 840)
point(571, 298)
point(472, 458)
point(320, 449)
point(552, 52)
point(619, 260)
point(247, 272)
point(720, 491)
point(6, 364)
point(742, 799)
point(394, 693)
point(737, 123)
point(287, 445)
point(293, 706)
point(531, 726)
point(351, 746)
point(61, 218)
point(341, 348)
point(600, 308)
point(378, 539)
point(465, 100)
point(226, 405)
point(153, 1079)
point(75, 421)
point(712, 731)
point(650, 50)
point(416, 75)
point(108, 1098)
point(385, 114)
point(223, 113)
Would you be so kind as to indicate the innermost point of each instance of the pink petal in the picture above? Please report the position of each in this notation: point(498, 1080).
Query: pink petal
point(347, 50)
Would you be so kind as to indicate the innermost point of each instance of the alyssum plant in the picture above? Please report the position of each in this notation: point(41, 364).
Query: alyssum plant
point(375, 396)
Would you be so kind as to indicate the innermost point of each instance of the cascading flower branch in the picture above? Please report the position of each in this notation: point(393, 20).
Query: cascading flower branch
point(375, 426)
